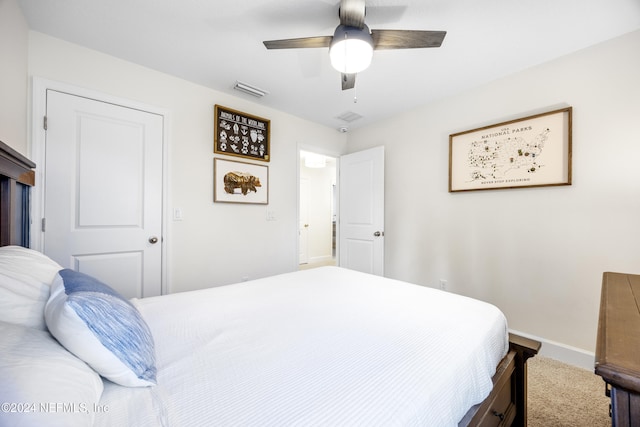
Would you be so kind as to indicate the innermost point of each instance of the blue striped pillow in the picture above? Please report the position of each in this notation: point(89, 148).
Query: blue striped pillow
point(101, 327)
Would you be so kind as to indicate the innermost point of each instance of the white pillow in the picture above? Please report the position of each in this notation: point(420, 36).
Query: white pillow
point(102, 328)
point(42, 383)
point(25, 279)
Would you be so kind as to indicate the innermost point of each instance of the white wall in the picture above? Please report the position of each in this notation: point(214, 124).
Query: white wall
point(13, 76)
point(537, 253)
point(215, 243)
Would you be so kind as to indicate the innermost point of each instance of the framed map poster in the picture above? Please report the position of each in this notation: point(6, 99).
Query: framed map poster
point(240, 134)
point(533, 151)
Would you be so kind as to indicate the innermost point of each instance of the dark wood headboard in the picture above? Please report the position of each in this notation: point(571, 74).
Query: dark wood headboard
point(16, 178)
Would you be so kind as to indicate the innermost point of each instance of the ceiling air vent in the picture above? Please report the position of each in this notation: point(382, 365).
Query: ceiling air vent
point(349, 116)
point(251, 90)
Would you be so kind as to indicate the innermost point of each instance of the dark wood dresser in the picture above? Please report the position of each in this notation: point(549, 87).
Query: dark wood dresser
point(618, 346)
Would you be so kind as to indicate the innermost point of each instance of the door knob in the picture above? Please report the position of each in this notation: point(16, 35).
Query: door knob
point(153, 240)
point(306, 225)
point(378, 233)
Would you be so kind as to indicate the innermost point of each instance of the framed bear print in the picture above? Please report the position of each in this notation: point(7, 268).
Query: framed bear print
point(240, 182)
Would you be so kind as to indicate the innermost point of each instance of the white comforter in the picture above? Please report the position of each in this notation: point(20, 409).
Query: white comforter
point(322, 347)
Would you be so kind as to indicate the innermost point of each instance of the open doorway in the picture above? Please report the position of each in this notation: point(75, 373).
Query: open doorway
point(318, 210)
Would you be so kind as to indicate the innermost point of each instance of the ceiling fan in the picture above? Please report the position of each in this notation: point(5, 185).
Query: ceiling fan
point(352, 44)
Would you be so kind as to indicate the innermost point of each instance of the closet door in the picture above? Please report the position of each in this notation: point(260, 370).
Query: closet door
point(103, 192)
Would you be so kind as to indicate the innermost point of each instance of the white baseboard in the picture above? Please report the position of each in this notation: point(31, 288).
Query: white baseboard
point(320, 259)
point(562, 352)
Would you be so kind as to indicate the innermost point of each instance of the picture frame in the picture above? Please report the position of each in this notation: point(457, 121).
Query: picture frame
point(241, 134)
point(240, 182)
point(532, 151)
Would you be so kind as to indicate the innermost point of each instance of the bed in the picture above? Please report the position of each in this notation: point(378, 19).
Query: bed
point(322, 347)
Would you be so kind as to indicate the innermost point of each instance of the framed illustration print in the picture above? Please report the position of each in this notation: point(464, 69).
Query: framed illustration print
point(240, 182)
point(240, 134)
point(533, 151)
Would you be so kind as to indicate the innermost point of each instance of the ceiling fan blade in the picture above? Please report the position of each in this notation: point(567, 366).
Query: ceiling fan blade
point(406, 39)
point(301, 43)
point(348, 81)
point(352, 13)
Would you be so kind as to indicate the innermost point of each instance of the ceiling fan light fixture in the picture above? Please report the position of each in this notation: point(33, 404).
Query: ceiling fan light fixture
point(351, 49)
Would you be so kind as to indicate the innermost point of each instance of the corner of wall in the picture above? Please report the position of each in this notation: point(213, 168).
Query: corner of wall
point(14, 82)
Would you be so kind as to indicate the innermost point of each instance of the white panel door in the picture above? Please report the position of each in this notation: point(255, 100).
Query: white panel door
point(362, 211)
point(303, 230)
point(103, 192)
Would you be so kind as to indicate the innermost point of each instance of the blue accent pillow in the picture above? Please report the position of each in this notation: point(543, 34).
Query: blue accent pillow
point(101, 327)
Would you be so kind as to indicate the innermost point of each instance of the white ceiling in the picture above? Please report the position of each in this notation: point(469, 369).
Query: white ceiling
point(215, 42)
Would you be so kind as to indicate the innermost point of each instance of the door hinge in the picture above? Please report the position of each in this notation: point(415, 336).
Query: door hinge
point(43, 224)
point(44, 123)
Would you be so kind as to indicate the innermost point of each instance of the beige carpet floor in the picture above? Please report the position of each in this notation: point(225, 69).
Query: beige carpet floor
point(562, 395)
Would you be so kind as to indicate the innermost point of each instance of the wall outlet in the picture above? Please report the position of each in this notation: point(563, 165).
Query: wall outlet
point(443, 284)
